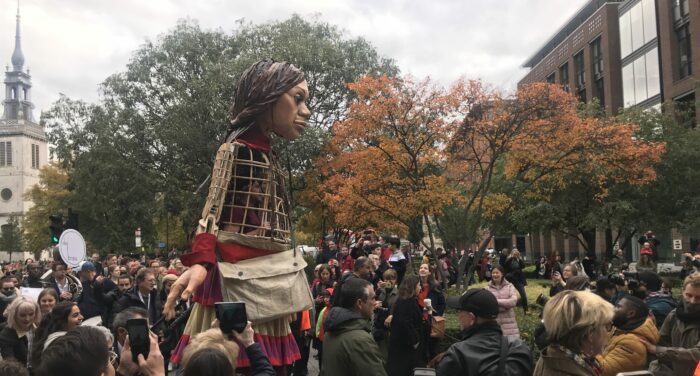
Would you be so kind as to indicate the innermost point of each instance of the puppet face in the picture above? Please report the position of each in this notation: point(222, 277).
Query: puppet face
point(288, 116)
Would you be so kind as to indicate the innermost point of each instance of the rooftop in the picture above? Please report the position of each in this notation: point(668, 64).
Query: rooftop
point(569, 27)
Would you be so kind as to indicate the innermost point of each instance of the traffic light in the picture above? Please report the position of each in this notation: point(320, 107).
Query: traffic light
point(56, 227)
point(72, 221)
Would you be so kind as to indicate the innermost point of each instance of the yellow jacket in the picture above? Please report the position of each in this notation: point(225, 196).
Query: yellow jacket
point(625, 351)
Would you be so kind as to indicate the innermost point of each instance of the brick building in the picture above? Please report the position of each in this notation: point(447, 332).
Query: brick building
point(624, 53)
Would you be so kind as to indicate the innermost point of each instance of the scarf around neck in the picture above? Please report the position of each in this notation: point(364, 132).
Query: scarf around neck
point(589, 363)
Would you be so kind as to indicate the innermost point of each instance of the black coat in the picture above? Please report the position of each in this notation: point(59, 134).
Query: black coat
point(514, 271)
point(407, 339)
point(13, 347)
point(92, 300)
point(480, 351)
point(131, 298)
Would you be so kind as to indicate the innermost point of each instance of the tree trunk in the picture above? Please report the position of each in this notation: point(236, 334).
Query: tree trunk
point(463, 263)
point(430, 232)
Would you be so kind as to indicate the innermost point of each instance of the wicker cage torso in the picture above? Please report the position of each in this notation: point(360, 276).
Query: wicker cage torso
point(247, 197)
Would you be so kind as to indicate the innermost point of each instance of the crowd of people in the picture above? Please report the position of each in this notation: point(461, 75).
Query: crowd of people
point(58, 331)
point(374, 314)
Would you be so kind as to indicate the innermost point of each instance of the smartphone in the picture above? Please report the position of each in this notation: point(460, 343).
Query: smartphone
point(139, 339)
point(423, 372)
point(232, 316)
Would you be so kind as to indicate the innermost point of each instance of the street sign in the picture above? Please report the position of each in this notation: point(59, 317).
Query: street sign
point(138, 237)
point(71, 247)
point(677, 245)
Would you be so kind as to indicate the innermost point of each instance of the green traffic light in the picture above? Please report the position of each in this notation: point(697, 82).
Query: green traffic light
point(54, 239)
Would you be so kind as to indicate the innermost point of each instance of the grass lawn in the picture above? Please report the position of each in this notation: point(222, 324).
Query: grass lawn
point(527, 322)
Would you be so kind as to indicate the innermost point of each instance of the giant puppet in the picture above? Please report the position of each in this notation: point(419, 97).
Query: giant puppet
point(241, 251)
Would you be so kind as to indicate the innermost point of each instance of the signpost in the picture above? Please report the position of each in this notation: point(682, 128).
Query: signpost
point(677, 245)
point(71, 247)
point(138, 237)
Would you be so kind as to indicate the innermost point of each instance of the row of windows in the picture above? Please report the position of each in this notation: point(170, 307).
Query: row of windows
point(6, 154)
point(637, 27)
point(580, 71)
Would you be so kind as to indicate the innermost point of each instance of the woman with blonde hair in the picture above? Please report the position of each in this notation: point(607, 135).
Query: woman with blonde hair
point(211, 353)
point(23, 316)
point(577, 323)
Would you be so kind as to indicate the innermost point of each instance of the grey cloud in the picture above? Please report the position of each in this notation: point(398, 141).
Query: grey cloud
point(71, 46)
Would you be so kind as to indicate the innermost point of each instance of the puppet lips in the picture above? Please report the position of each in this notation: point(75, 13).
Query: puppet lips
point(300, 124)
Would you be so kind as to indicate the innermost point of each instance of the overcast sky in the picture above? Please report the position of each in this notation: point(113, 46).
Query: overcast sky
point(71, 46)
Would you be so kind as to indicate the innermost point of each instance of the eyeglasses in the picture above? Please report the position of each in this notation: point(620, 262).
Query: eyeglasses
point(112, 357)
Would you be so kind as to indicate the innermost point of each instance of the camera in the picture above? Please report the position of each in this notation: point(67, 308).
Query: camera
point(616, 279)
point(632, 280)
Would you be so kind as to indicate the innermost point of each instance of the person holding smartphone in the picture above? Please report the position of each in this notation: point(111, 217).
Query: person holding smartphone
point(211, 353)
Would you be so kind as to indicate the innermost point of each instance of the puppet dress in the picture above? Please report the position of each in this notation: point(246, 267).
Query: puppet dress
point(251, 244)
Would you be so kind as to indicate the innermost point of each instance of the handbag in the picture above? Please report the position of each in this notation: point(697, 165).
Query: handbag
point(437, 327)
point(272, 286)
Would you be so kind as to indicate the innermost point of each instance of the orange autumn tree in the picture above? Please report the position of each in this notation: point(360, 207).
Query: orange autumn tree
point(410, 150)
point(534, 144)
point(386, 159)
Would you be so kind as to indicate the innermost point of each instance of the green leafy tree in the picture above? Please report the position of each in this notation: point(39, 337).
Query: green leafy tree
point(11, 239)
point(154, 134)
point(50, 196)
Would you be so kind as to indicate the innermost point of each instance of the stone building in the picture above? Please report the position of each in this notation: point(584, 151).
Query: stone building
point(23, 143)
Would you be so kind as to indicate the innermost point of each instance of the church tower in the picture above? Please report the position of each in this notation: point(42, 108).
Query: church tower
point(23, 144)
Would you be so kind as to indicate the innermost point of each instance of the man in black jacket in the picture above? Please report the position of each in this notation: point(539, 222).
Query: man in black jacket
point(91, 300)
point(143, 295)
point(483, 346)
point(34, 272)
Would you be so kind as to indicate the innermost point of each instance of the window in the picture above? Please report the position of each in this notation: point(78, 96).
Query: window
point(652, 73)
point(640, 78)
point(637, 27)
point(600, 91)
point(597, 58)
point(580, 76)
point(550, 78)
point(5, 153)
point(6, 194)
point(680, 9)
point(684, 63)
point(564, 76)
point(649, 20)
point(625, 35)
point(628, 86)
point(35, 156)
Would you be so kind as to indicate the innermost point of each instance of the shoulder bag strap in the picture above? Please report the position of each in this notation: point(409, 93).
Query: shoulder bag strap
point(504, 355)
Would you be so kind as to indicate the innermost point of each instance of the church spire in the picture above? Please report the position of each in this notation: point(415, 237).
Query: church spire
point(17, 55)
